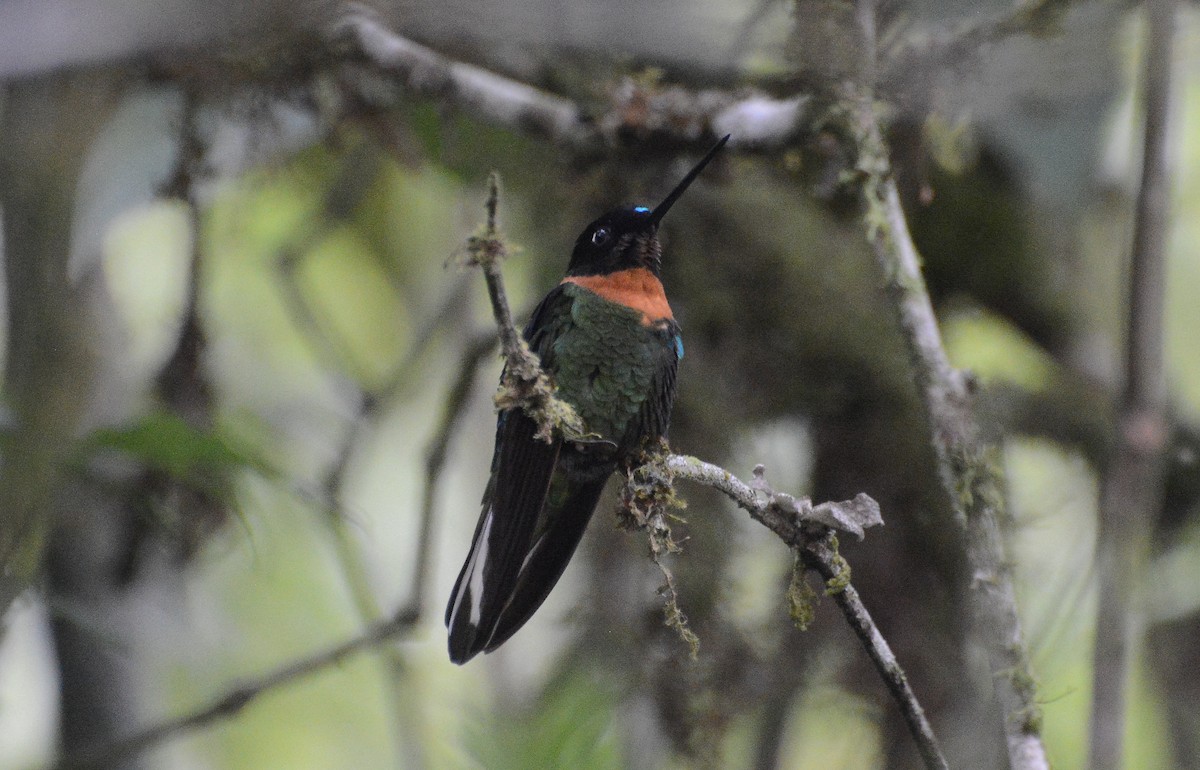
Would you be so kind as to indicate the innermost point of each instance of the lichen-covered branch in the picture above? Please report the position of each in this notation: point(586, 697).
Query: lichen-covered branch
point(968, 465)
point(523, 385)
point(810, 530)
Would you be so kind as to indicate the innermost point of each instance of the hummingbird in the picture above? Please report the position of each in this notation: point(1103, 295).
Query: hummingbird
point(608, 341)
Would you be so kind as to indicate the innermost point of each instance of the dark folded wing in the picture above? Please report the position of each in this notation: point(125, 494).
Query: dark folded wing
point(574, 491)
point(548, 321)
point(513, 503)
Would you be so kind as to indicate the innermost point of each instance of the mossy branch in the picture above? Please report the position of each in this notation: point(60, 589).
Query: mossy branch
point(523, 383)
point(968, 465)
point(811, 532)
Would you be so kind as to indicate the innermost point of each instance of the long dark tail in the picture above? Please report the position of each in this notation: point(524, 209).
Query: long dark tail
point(521, 472)
point(535, 512)
point(548, 558)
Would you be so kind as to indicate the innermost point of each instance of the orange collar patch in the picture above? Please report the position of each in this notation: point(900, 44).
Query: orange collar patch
point(636, 288)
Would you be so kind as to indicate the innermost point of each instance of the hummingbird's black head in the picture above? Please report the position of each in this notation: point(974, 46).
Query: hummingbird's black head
point(623, 238)
point(627, 237)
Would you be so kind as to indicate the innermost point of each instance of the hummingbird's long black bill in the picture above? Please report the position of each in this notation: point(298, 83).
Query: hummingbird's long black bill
point(661, 209)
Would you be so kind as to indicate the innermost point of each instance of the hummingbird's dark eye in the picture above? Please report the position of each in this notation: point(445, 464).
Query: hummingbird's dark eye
point(600, 236)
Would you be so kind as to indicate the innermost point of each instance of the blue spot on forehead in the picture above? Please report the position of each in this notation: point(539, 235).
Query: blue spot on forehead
point(641, 209)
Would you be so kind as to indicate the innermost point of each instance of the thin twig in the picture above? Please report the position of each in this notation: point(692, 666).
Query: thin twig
point(330, 353)
point(343, 194)
point(404, 707)
point(405, 375)
point(825, 560)
point(968, 465)
point(447, 318)
point(232, 702)
point(523, 385)
point(487, 251)
point(370, 404)
point(1133, 485)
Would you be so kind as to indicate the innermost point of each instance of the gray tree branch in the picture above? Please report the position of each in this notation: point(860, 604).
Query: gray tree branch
point(1132, 488)
point(810, 531)
point(969, 466)
point(751, 116)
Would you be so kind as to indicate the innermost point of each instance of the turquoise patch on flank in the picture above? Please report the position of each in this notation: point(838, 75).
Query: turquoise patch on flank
point(641, 209)
point(679, 347)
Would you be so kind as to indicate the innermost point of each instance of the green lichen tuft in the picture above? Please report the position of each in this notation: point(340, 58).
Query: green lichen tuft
point(1028, 719)
point(801, 598)
point(978, 475)
point(837, 584)
point(841, 579)
point(647, 501)
point(524, 385)
point(648, 494)
point(675, 619)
